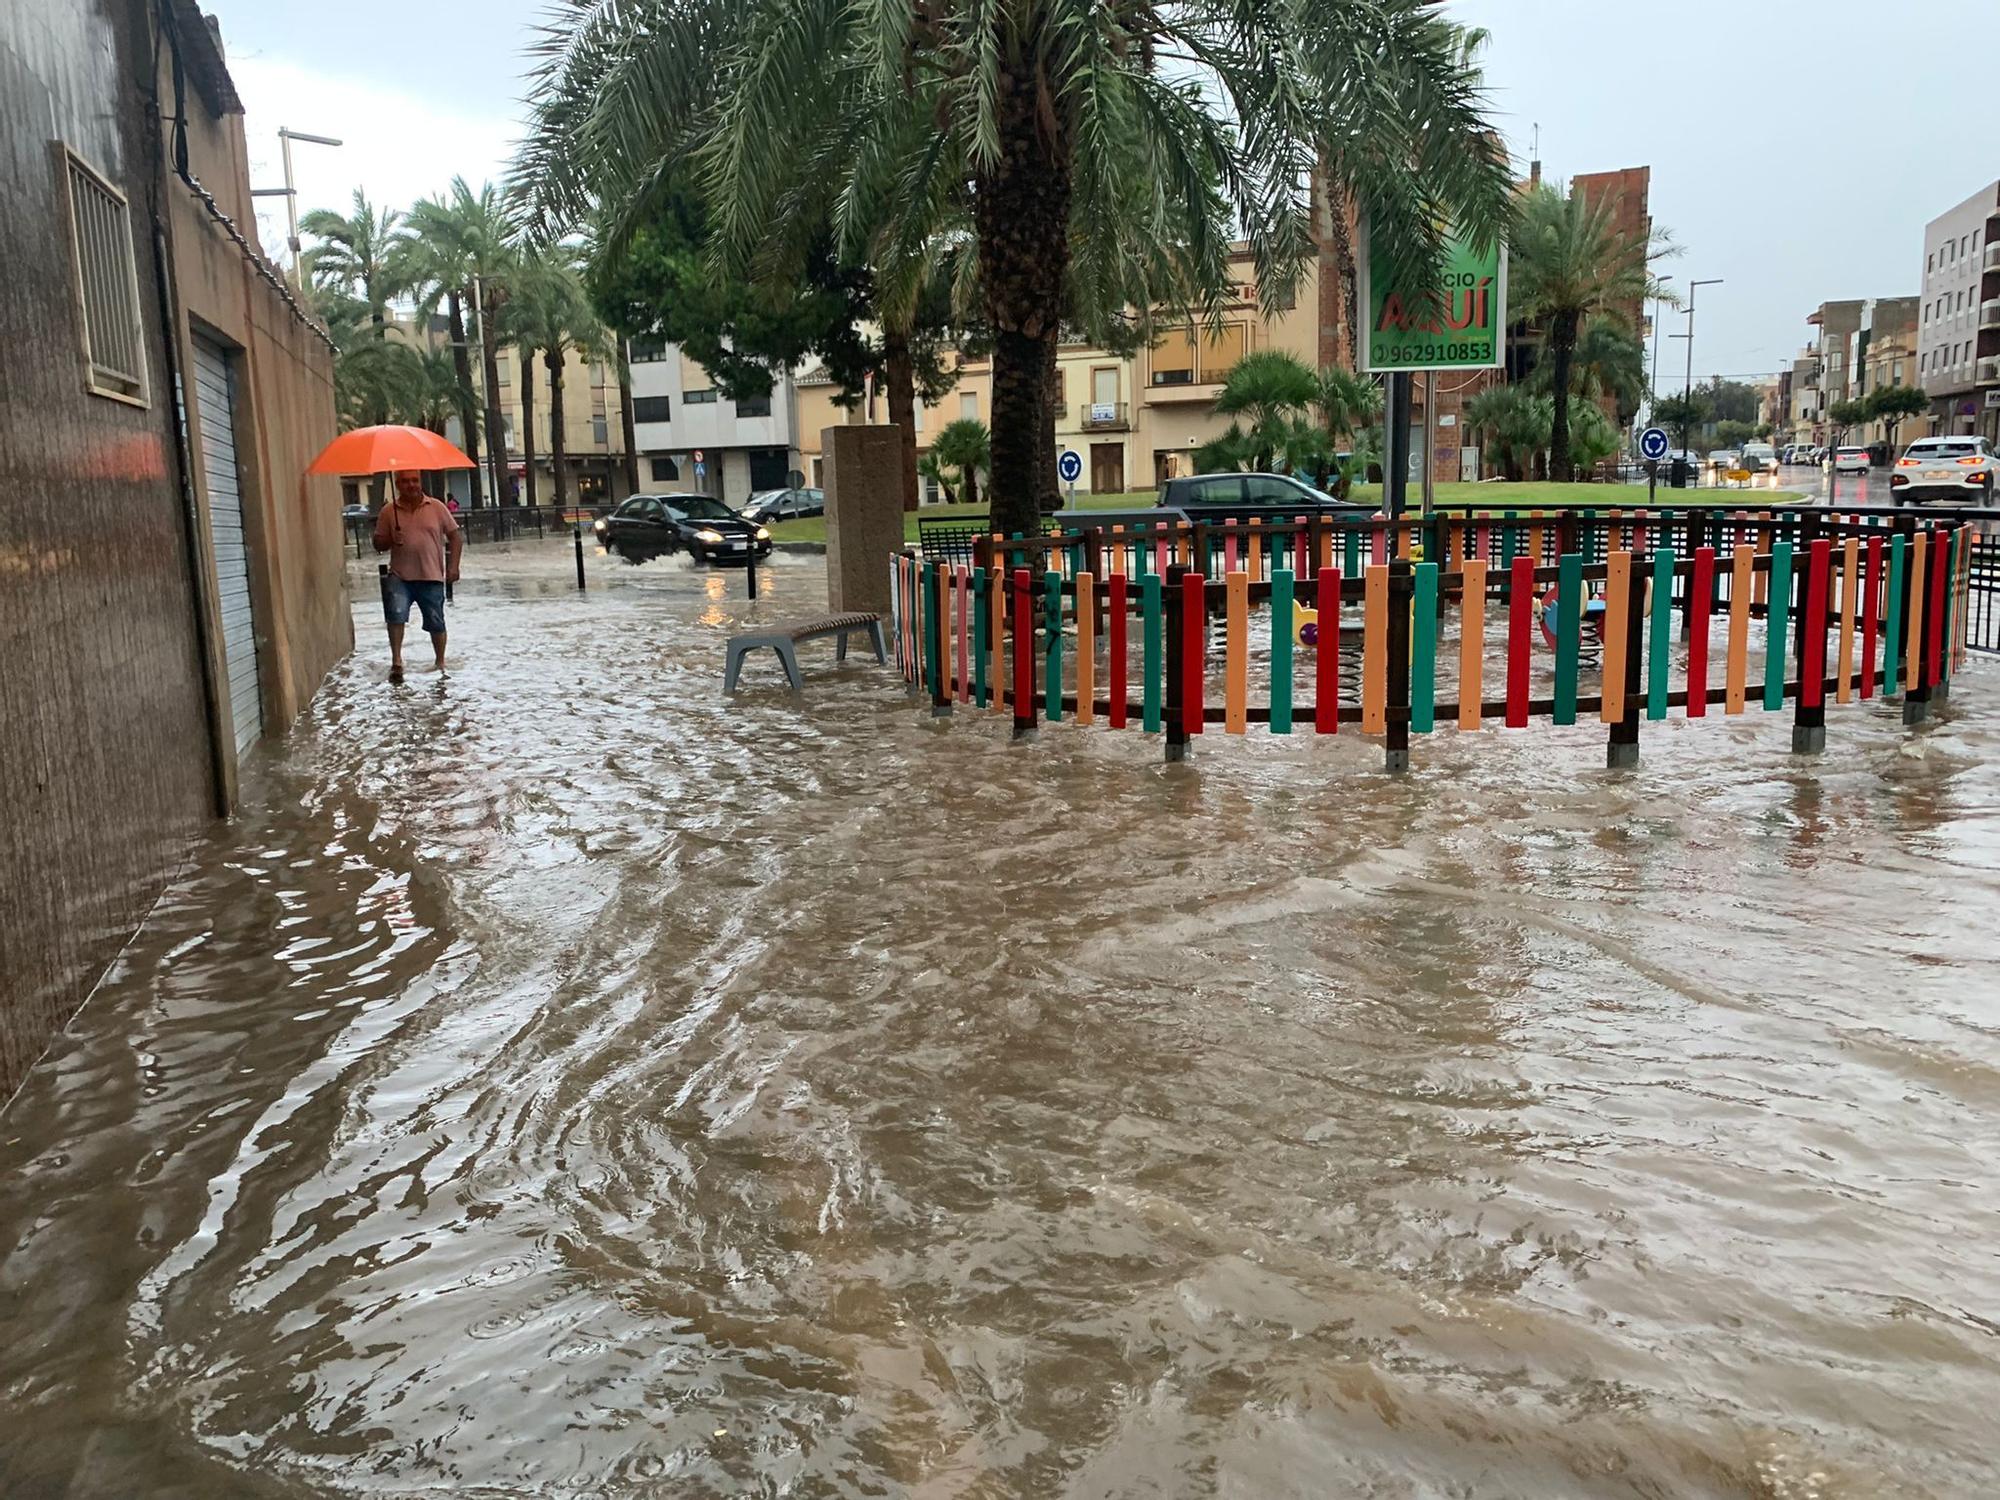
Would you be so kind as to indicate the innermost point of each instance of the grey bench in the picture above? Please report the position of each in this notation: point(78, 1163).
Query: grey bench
point(785, 641)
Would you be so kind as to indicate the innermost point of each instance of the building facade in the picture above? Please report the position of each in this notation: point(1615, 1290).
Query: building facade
point(175, 588)
point(593, 430)
point(1957, 246)
point(693, 439)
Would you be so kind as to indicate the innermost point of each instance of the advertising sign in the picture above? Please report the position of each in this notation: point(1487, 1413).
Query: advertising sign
point(1464, 329)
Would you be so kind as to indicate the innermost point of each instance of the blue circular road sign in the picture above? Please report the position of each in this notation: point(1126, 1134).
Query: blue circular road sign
point(1653, 443)
point(1070, 466)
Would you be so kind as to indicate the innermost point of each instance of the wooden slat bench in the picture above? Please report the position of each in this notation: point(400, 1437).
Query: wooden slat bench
point(785, 640)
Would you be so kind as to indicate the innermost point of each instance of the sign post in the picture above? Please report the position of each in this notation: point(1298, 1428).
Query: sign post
point(1653, 448)
point(1069, 468)
point(1462, 328)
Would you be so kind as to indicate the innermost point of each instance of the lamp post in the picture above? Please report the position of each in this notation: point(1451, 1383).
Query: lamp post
point(289, 192)
point(1687, 394)
point(1659, 300)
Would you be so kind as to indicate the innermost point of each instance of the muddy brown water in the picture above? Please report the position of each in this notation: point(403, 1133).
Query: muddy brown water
point(559, 1083)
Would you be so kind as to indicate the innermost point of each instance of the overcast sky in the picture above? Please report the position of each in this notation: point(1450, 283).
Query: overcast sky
point(1794, 176)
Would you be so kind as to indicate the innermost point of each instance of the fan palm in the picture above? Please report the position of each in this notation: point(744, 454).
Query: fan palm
point(964, 445)
point(1514, 424)
point(1076, 129)
point(1570, 264)
point(356, 254)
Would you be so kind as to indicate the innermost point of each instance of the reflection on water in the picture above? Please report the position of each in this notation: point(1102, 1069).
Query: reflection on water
point(561, 1082)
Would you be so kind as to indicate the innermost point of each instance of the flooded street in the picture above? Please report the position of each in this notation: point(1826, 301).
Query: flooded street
point(559, 1082)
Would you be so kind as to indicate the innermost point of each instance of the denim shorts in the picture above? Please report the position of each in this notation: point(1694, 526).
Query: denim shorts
point(398, 594)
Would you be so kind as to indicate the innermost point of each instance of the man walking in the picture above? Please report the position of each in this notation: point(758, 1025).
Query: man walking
point(417, 532)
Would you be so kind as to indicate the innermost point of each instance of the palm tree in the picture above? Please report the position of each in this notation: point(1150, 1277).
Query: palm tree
point(1514, 425)
point(550, 312)
point(1076, 128)
point(1570, 264)
point(456, 249)
point(1271, 388)
point(964, 445)
point(356, 254)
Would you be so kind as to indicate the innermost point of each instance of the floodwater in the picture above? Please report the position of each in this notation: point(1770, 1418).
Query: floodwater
point(559, 1083)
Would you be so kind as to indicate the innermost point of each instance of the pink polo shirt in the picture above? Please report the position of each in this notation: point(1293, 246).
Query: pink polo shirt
point(416, 538)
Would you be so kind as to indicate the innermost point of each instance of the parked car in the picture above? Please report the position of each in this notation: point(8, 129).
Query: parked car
point(1250, 491)
point(1848, 461)
point(356, 513)
point(1954, 469)
point(1724, 459)
point(648, 526)
point(770, 506)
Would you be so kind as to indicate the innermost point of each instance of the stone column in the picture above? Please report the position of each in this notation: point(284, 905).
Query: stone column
point(864, 514)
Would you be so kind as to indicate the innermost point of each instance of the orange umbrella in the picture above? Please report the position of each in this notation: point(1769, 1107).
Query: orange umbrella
point(376, 450)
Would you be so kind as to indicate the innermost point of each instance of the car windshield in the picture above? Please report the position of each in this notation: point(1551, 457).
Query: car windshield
point(700, 508)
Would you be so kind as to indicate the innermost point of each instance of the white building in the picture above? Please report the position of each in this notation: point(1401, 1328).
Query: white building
point(743, 446)
point(1957, 250)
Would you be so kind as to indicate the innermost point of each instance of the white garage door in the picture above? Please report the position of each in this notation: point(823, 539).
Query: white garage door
point(215, 403)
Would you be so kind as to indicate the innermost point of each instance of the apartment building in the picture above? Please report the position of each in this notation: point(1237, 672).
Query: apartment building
point(693, 439)
point(1957, 304)
point(593, 432)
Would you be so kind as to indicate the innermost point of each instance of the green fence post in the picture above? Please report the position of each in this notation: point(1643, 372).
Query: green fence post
point(1569, 633)
point(1423, 649)
point(1510, 540)
point(1662, 626)
point(1281, 651)
point(1777, 618)
point(1052, 691)
point(1149, 597)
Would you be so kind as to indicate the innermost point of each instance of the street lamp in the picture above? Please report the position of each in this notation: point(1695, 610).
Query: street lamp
point(1659, 298)
point(289, 192)
point(1687, 395)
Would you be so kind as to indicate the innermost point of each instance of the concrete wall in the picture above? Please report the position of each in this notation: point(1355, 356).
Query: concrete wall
point(110, 762)
point(105, 765)
point(285, 415)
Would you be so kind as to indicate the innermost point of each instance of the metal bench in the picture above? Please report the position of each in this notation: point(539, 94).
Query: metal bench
point(785, 640)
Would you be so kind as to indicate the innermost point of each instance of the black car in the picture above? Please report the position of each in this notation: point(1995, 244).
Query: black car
point(649, 526)
point(1207, 492)
point(768, 507)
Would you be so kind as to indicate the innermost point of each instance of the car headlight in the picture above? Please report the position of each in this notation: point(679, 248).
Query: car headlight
point(763, 533)
point(706, 535)
point(598, 527)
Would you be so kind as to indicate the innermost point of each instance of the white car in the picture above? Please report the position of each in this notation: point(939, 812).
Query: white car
point(1848, 460)
point(1765, 456)
point(1958, 470)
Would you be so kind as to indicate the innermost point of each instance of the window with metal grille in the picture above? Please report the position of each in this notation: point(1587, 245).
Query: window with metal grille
point(754, 406)
point(107, 283)
point(652, 409)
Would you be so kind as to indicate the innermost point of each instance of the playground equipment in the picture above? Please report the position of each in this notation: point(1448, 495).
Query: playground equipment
point(1851, 604)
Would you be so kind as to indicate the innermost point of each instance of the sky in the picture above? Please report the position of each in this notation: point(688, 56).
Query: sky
point(1793, 178)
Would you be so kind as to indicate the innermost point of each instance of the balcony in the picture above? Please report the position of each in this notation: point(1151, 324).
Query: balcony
point(1990, 261)
point(1986, 372)
point(1989, 314)
point(1104, 416)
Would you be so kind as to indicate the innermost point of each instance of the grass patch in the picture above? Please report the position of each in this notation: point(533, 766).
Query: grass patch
point(1490, 498)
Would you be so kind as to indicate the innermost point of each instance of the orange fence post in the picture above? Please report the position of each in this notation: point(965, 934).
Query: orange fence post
point(1617, 611)
point(1471, 642)
point(1236, 656)
point(1739, 628)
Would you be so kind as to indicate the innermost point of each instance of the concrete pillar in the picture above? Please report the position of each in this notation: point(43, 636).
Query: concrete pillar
point(864, 514)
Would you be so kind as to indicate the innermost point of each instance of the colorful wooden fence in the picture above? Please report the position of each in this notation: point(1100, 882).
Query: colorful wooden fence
point(1151, 628)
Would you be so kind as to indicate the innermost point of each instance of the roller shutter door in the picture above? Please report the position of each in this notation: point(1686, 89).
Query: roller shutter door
point(215, 402)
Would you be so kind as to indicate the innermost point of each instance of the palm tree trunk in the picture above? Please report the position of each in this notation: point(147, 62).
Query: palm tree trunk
point(527, 363)
point(627, 422)
point(558, 458)
point(1562, 351)
point(1049, 497)
point(1022, 221)
point(969, 479)
point(496, 422)
point(902, 382)
point(468, 405)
